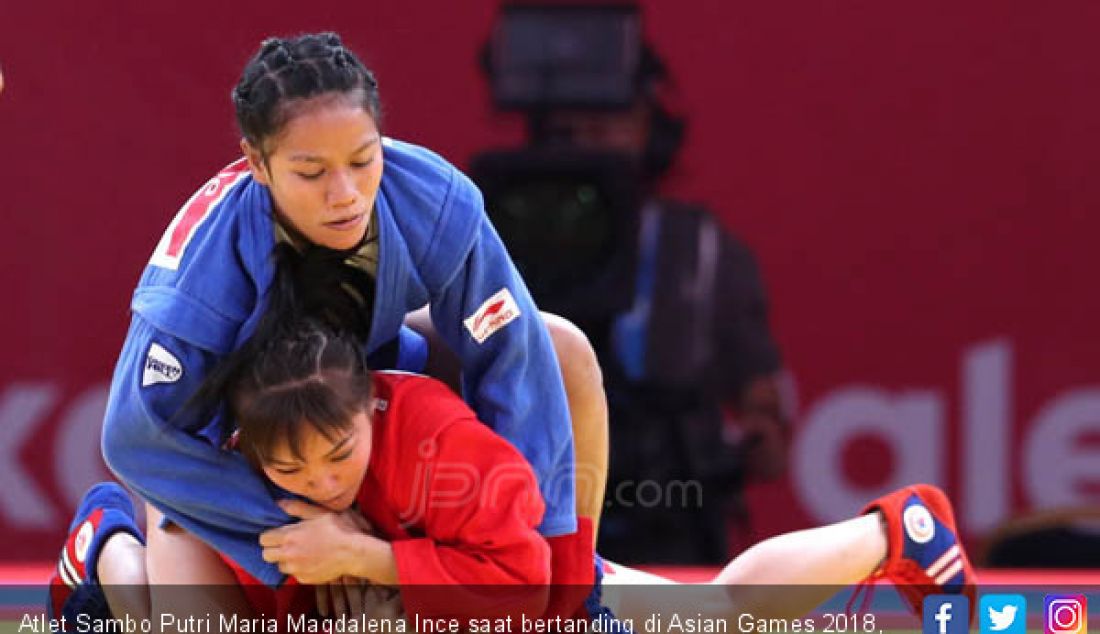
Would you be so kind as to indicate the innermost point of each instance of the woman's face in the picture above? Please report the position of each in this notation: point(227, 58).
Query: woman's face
point(323, 169)
point(329, 472)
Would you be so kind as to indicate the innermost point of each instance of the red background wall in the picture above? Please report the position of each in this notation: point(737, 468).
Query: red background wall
point(916, 178)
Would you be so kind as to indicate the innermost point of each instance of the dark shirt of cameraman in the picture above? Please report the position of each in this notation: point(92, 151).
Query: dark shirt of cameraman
point(692, 370)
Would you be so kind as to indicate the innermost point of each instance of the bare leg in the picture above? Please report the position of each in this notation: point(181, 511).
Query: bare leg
point(177, 558)
point(173, 557)
point(583, 387)
point(122, 575)
point(838, 554)
point(588, 410)
point(809, 565)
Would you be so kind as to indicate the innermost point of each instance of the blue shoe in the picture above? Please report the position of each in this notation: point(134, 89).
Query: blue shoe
point(74, 589)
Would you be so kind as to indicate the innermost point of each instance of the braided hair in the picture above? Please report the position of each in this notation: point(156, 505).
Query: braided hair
point(309, 375)
point(287, 71)
point(312, 284)
point(308, 288)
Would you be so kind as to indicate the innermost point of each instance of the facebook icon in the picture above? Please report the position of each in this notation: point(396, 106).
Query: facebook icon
point(946, 614)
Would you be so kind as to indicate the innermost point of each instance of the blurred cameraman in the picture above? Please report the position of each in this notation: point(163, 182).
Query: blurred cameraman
point(673, 303)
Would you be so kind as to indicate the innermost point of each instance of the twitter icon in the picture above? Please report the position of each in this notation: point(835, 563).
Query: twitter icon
point(1003, 614)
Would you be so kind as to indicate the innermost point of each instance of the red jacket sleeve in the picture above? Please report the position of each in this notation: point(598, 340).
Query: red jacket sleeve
point(478, 504)
point(573, 571)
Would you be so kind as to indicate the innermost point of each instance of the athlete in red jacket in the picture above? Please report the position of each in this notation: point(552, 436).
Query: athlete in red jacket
point(448, 502)
point(406, 488)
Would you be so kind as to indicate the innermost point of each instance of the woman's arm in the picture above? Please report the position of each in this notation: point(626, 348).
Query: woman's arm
point(157, 449)
point(510, 374)
point(325, 546)
point(475, 500)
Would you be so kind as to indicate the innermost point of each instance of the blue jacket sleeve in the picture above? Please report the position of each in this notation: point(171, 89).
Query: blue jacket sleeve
point(170, 458)
point(510, 371)
point(439, 246)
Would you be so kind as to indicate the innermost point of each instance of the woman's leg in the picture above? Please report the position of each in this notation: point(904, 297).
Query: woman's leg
point(908, 536)
point(835, 555)
point(122, 574)
point(187, 577)
point(788, 575)
point(102, 562)
point(782, 577)
point(583, 387)
point(125, 568)
point(588, 410)
point(173, 558)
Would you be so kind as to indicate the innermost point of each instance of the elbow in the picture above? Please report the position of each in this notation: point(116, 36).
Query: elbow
point(113, 446)
point(121, 444)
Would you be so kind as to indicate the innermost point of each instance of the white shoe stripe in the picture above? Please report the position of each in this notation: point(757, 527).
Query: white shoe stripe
point(64, 574)
point(951, 571)
point(69, 567)
point(946, 558)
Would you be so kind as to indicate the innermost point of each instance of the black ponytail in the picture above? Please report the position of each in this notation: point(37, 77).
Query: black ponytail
point(314, 285)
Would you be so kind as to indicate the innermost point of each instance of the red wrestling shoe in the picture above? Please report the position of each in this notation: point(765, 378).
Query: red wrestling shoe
point(924, 554)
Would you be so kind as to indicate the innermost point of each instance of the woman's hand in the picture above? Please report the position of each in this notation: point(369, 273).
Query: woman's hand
point(346, 595)
point(322, 547)
point(384, 603)
point(358, 597)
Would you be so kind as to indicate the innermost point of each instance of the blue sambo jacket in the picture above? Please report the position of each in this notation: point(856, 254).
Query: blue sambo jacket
point(201, 297)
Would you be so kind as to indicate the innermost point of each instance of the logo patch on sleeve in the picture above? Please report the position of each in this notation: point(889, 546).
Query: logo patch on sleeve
point(161, 366)
point(497, 312)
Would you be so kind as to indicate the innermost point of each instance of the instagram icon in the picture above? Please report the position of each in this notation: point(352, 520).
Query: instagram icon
point(1065, 613)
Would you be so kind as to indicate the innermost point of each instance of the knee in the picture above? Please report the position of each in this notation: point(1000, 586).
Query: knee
point(579, 364)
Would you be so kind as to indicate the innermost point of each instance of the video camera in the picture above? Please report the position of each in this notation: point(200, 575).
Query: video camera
point(567, 215)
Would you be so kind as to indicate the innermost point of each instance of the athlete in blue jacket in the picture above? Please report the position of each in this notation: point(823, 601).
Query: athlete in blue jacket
point(412, 233)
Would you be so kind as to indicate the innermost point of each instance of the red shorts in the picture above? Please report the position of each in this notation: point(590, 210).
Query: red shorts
point(289, 598)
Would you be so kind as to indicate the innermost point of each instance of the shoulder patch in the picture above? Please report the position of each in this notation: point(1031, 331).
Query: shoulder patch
point(161, 366)
point(495, 313)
